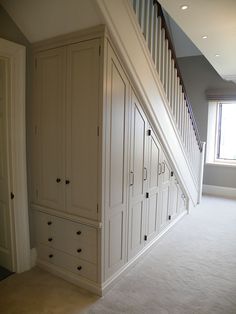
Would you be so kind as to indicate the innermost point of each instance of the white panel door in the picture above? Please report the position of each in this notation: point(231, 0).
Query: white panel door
point(153, 186)
point(82, 126)
point(164, 193)
point(5, 217)
point(173, 204)
point(138, 178)
point(116, 165)
point(48, 140)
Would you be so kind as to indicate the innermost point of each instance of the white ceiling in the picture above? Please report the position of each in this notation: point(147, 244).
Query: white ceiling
point(217, 20)
point(42, 19)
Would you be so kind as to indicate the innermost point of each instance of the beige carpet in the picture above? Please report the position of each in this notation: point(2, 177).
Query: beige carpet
point(191, 271)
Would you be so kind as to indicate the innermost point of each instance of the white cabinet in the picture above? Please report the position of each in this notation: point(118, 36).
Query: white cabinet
point(154, 182)
point(65, 129)
point(116, 164)
point(48, 129)
point(101, 184)
point(138, 178)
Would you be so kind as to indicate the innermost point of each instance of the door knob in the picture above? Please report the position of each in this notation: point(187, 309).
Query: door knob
point(67, 181)
point(58, 180)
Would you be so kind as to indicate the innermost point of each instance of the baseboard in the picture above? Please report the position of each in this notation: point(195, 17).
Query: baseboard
point(71, 277)
point(219, 191)
point(108, 284)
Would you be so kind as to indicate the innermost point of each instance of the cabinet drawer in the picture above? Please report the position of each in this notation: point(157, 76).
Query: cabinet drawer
point(67, 236)
point(70, 263)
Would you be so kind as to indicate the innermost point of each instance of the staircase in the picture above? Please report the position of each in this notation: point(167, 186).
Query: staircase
point(144, 43)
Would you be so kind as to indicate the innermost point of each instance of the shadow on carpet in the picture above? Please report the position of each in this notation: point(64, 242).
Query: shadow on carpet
point(4, 273)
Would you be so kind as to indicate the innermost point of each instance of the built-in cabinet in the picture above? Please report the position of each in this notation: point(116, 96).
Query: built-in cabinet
point(102, 188)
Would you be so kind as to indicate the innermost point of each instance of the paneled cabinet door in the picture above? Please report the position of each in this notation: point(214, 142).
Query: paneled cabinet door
point(116, 112)
point(138, 178)
point(81, 128)
point(164, 193)
point(173, 204)
point(48, 129)
point(153, 186)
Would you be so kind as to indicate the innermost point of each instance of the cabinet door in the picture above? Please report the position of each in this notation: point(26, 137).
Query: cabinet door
point(82, 127)
point(116, 112)
point(153, 187)
point(164, 193)
point(173, 204)
point(48, 129)
point(138, 178)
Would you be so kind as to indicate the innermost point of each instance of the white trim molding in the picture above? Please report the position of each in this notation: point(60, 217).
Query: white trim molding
point(219, 191)
point(16, 55)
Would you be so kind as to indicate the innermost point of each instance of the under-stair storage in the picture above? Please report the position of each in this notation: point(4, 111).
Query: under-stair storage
point(102, 186)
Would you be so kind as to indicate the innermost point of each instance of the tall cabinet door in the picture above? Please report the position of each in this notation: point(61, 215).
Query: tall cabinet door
point(48, 139)
point(164, 192)
point(138, 178)
point(116, 160)
point(82, 128)
point(153, 186)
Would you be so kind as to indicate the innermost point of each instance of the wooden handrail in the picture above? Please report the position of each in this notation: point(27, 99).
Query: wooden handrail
point(168, 37)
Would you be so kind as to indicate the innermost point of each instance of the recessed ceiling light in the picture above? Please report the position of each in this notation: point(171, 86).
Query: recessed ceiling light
point(184, 7)
point(217, 55)
point(204, 37)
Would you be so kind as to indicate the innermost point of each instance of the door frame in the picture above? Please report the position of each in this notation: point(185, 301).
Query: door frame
point(19, 224)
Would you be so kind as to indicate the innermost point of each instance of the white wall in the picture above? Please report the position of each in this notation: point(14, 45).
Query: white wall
point(198, 76)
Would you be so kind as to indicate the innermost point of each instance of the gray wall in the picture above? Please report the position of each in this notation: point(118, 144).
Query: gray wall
point(10, 31)
point(198, 76)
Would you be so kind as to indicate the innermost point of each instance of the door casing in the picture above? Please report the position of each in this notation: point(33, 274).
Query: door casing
point(20, 238)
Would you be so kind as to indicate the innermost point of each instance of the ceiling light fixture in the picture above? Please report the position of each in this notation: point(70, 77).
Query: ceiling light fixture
point(217, 55)
point(184, 7)
point(204, 37)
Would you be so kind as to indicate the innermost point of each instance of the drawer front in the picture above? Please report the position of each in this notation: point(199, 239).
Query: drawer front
point(73, 238)
point(81, 250)
point(43, 227)
point(70, 263)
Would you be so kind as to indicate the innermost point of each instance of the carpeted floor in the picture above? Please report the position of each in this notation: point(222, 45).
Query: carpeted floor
point(191, 271)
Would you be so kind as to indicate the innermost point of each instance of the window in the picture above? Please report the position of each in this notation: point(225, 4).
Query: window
point(221, 134)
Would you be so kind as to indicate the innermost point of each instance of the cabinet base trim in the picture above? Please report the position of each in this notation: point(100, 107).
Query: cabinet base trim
point(106, 286)
point(66, 275)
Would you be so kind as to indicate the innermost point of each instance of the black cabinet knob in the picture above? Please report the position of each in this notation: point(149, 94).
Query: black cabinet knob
point(78, 232)
point(79, 250)
point(49, 223)
point(58, 180)
point(50, 255)
point(49, 239)
point(67, 181)
point(79, 267)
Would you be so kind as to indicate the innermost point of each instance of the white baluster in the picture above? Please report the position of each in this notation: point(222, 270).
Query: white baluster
point(159, 46)
point(163, 46)
point(155, 35)
point(166, 78)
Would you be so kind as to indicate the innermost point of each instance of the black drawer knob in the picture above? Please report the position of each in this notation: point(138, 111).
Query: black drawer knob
point(79, 267)
point(50, 255)
point(67, 181)
point(58, 180)
point(79, 250)
point(49, 239)
point(49, 223)
point(78, 232)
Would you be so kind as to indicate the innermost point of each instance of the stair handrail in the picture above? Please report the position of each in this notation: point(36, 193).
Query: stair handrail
point(171, 47)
